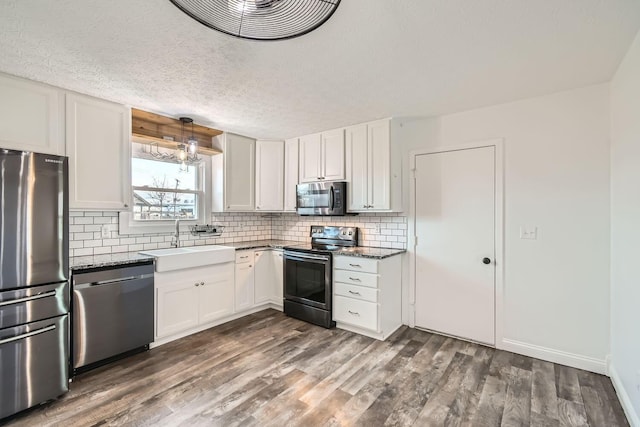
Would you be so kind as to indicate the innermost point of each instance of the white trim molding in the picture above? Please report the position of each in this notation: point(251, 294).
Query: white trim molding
point(498, 143)
point(623, 397)
point(579, 361)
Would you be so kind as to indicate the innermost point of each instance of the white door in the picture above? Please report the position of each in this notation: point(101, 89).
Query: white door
point(215, 299)
point(244, 286)
point(278, 276)
point(356, 167)
point(379, 172)
point(290, 174)
point(263, 276)
point(269, 175)
point(333, 155)
point(454, 255)
point(239, 173)
point(99, 150)
point(310, 158)
point(177, 308)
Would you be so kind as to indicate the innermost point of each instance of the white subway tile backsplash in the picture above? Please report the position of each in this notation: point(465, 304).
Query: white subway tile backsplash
point(86, 231)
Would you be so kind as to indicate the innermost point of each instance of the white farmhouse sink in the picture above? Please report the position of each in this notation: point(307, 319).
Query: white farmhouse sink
point(190, 256)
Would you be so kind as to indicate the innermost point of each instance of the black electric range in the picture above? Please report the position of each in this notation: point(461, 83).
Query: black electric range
point(308, 270)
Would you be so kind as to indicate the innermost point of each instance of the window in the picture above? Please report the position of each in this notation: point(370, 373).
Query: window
point(164, 189)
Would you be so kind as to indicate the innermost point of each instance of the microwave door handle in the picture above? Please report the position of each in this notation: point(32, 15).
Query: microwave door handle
point(332, 197)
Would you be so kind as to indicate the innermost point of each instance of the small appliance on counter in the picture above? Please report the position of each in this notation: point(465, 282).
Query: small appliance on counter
point(308, 274)
point(322, 198)
point(34, 273)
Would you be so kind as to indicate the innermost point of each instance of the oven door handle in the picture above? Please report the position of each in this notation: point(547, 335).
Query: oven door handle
point(305, 257)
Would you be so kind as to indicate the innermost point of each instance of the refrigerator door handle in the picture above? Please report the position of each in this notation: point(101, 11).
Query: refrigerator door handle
point(31, 298)
point(28, 334)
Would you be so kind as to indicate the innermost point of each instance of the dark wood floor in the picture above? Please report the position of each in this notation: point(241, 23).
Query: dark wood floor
point(270, 370)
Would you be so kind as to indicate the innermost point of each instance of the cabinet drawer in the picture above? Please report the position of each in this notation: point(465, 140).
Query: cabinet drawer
point(355, 312)
point(356, 278)
point(357, 292)
point(244, 256)
point(366, 265)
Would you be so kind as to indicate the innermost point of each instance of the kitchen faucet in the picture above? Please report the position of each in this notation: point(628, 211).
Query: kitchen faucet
point(176, 235)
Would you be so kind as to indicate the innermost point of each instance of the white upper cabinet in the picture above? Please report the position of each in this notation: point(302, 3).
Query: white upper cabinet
point(98, 145)
point(310, 158)
point(234, 174)
point(270, 170)
point(31, 116)
point(290, 174)
point(322, 157)
point(333, 155)
point(373, 168)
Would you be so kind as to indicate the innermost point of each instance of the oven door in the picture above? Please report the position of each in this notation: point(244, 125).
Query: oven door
point(307, 279)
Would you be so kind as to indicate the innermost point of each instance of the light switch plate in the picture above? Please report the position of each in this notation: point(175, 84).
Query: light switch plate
point(528, 233)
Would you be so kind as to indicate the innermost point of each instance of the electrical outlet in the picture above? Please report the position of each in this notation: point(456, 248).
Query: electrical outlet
point(104, 230)
point(378, 228)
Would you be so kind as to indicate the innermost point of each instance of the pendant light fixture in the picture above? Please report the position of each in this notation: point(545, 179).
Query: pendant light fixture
point(187, 150)
point(260, 19)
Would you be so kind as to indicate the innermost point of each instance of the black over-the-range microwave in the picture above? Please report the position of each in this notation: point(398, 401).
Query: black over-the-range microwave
point(322, 198)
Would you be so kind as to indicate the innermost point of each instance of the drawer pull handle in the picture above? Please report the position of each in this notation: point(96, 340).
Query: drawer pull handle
point(30, 298)
point(28, 334)
point(355, 279)
point(355, 265)
point(354, 293)
point(355, 313)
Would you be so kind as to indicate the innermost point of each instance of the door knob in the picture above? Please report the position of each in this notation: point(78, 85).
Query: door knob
point(486, 260)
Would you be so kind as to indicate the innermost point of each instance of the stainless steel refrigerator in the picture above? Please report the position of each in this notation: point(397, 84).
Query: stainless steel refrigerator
point(34, 274)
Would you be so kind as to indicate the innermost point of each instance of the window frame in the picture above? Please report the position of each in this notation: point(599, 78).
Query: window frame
point(129, 225)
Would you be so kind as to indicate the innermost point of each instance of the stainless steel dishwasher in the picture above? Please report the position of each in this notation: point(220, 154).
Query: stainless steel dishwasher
point(112, 313)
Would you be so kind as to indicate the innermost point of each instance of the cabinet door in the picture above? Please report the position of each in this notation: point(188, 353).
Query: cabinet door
point(333, 155)
point(244, 286)
point(215, 297)
point(278, 276)
point(239, 173)
point(379, 172)
point(263, 277)
point(310, 158)
point(30, 117)
point(269, 175)
point(290, 174)
point(356, 168)
point(176, 307)
point(99, 153)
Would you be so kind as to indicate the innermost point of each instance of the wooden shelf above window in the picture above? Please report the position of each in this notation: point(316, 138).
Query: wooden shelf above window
point(151, 128)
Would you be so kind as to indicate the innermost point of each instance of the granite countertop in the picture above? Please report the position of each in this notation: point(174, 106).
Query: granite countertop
point(123, 258)
point(255, 244)
point(370, 252)
point(106, 260)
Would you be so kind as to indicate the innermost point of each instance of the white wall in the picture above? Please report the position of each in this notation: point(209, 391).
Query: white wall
point(556, 295)
point(625, 232)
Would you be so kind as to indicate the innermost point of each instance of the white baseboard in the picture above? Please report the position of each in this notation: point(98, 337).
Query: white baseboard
point(623, 396)
point(579, 361)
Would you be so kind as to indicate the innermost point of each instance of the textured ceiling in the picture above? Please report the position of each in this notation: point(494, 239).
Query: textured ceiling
point(372, 59)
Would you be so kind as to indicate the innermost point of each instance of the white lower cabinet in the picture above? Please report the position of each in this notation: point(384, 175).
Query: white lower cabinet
point(263, 273)
point(245, 280)
point(367, 295)
point(268, 277)
point(186, 299)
